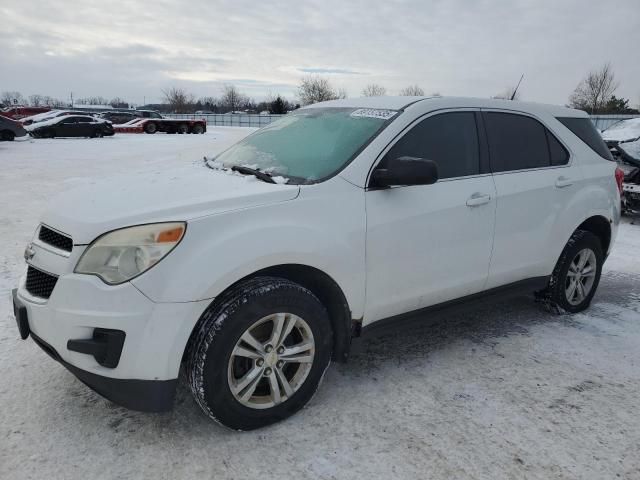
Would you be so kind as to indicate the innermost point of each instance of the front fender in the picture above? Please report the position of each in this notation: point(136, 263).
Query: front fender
point(318, 229)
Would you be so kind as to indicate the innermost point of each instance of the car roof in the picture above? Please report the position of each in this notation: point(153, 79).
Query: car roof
point(400, 103)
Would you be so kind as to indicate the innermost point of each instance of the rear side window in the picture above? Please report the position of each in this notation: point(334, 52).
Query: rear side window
point(559, 154)
point(583, 129)
point(449, 139)
point(516, 142)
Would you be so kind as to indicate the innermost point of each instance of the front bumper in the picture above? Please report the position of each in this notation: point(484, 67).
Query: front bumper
point(155, 335)
point(142, 395)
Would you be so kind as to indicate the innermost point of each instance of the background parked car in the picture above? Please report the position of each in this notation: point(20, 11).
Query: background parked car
point(71, 126)
point(120, 117)
point(40, 117)
point(10, 129)
point(20, 112)
point(622, 132)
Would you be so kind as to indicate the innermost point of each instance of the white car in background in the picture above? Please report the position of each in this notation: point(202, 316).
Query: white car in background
point(43, 117)
point(622, 132)
point(335, 219)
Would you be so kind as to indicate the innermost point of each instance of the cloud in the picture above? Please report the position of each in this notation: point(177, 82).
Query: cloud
point(457, 47)
point(329, 71)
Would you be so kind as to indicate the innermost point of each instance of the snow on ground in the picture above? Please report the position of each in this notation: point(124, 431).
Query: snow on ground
point(506, 391)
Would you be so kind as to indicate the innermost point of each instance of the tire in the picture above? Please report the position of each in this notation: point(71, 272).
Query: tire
point(183, 128)
point(582, 245)
point(197, 129)
point(216, 368)
point(97, 134)
point(150, 127)
point(7, 136)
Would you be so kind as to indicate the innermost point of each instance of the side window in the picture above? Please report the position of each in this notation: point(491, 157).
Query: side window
point(449, 139)
point(69, 120)
point(583, 129)
point(559, 154)
point(516, 142)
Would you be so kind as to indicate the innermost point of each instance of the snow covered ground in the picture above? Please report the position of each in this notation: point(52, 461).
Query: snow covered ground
point(506, 391)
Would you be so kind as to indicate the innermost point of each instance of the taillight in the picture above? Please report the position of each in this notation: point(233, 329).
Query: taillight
point(619, 178)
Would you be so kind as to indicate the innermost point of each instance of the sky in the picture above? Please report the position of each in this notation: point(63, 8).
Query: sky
point(135, 49)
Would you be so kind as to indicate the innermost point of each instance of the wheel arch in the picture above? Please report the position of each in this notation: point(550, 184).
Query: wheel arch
point(601, 228)
point(322, 286)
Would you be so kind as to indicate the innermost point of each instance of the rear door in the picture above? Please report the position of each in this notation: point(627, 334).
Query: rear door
point(535, 182)
point(428, 244)
point(85, 127)
point(66, 127)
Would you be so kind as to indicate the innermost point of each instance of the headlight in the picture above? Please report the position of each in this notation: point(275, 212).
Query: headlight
point(123, 254)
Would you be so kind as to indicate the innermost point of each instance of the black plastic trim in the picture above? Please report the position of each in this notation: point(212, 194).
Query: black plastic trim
point(105, 346)
point(434, 312)
point(141, 395)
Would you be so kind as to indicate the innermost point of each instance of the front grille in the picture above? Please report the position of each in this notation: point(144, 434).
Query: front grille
point(39, 283)
point(55, 239)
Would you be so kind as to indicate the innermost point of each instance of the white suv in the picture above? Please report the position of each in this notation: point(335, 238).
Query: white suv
point(256, 272)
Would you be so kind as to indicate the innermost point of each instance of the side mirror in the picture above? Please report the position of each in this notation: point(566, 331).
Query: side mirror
point(405, 171)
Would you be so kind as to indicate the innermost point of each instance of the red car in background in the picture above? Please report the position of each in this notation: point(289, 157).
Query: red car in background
point(20, 112)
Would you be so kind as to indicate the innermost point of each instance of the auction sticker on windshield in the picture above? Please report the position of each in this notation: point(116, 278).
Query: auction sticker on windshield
point(374, 113)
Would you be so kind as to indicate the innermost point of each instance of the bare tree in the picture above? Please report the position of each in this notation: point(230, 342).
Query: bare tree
point(314, 89)
point(52, 102)
point(232, 99)
point(96, 100)
point(374, 90)
point(36, 100)
point(594, 90)
point(412, 91)
point(118, 102)
point(11, 98)
point(179, 99)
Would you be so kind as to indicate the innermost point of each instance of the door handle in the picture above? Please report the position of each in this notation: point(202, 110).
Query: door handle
point(478, 199)
point(563, 181)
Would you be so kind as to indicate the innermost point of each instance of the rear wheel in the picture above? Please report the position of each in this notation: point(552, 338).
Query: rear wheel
point(151, 127)
point(576, 276)
point(259, 353)
point(198, 129)
point(183, 128)
point(7, 136)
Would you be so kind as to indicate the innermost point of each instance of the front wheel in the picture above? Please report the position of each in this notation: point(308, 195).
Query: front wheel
point(576, 276)
point(258, 354)
point(151, 128)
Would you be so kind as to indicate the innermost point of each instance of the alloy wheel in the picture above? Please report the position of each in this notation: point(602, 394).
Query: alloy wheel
point(271, 360)
point(580, 276)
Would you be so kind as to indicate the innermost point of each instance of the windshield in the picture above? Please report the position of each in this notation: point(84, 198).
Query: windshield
point(308, 145)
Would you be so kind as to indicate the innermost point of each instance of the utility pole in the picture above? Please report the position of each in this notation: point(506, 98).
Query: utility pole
point(71, 95)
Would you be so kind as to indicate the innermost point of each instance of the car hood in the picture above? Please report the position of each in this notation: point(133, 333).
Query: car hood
point(176, 195)
point(624, 131)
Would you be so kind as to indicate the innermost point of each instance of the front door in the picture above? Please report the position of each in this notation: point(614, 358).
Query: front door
point(429, 244)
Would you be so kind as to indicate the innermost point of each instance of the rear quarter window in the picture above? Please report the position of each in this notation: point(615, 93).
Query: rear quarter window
point(583, 129)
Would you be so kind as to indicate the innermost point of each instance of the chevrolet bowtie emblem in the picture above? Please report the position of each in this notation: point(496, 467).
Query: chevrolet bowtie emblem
point(29, 252)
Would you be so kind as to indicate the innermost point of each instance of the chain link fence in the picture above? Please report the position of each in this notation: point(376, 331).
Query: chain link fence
point(229, 119)
point(603, 122)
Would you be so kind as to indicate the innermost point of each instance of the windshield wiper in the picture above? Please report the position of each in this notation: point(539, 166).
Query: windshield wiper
point(265, 177)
